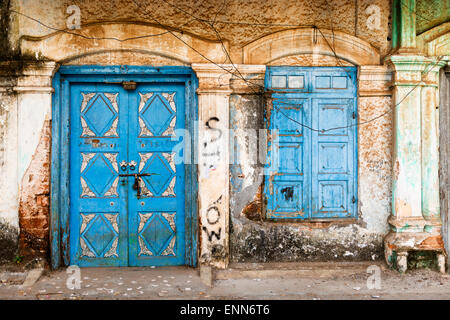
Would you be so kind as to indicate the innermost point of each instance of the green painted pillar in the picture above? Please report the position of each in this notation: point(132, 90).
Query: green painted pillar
point(407, 176)
point(408, 23)
point(415, 192)
point(404, 25)
point(415, 220)
point(430, 141)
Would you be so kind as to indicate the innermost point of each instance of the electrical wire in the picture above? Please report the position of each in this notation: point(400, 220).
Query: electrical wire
point(96, 38)
point(211, 23)
point(219, 39)
point(374, 118)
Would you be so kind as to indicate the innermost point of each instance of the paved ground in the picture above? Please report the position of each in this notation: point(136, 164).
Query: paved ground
point(323, 281)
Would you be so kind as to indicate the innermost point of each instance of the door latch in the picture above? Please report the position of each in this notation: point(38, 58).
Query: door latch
point(137, 182)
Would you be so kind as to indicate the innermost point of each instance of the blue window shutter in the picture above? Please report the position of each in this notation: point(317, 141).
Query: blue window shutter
point(311, 174)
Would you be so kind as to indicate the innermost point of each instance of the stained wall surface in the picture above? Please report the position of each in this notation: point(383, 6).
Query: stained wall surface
point(366, 19)
point(257, 240)
point(231, 25)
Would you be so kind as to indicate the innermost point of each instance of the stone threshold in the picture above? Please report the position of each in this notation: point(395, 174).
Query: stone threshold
point(294, 269)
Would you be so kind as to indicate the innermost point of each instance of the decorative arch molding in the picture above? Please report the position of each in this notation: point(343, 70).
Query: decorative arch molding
point(64, 46)
point(435, 42)
point(124, 57)
point(302, 41)
point(309, 60)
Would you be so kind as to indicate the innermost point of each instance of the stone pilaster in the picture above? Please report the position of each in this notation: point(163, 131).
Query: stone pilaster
point(25, 112)
point(213, 183)
point(415, 221)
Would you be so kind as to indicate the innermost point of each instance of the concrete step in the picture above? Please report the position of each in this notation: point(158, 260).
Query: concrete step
point(294, 269)
point(12, 278)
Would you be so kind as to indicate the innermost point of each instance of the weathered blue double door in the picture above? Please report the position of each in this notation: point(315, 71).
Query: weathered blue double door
point(126, 188)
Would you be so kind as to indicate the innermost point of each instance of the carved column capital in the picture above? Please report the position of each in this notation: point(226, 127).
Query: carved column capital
point(248, 79)
point(410, 70)
point(374, 81)
point(27, 76)
point(212, 78)
point(227, 78)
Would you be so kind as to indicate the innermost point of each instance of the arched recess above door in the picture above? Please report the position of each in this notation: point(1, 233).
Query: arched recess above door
point(294, 42)
point(97, 39)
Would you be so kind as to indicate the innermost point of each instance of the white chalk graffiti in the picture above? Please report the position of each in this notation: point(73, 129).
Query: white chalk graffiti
point(211, 147)
point(211, 225)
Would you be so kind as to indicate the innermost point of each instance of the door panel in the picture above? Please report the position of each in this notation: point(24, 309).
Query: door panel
point(287, 196)
point(116, 218)
point(332, 153)
point(98, 221)
point(156, 218)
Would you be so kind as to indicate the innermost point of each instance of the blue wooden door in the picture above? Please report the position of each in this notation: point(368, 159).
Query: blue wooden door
point(156, 217)
point(126, 189)
point(311, 117)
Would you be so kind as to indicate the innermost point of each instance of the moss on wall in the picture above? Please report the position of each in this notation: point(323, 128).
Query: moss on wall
point(8, 242)
point(422, 260)
point(4, 28)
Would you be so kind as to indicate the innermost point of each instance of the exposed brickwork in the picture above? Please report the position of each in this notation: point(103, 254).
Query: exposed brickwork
point(34, 204)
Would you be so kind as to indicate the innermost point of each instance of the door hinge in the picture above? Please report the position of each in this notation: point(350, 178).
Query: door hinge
point(353, 199)
point(354, 115)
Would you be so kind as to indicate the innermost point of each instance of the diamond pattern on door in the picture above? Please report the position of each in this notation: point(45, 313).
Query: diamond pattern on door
point(99, 235)
point(99, 175)
point(156, 234)
point(157, 114)
point(162, 182)
point(99, 114)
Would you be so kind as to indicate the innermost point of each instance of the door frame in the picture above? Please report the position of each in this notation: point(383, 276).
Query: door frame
point(59, 173)
point(444, 161)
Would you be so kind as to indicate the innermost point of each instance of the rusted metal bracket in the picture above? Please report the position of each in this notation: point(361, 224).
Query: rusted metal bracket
point(127, 85)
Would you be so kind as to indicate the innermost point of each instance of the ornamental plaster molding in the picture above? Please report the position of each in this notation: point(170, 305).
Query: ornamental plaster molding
point(374, 81)
point(435, 42)
point(35, 76)
point(408, 69)
point(310, 41)
point(97, 38)
point(212, 78)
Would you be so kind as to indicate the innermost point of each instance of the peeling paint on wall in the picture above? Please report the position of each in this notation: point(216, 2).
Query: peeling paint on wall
point(253, 239)
point(35, 199)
